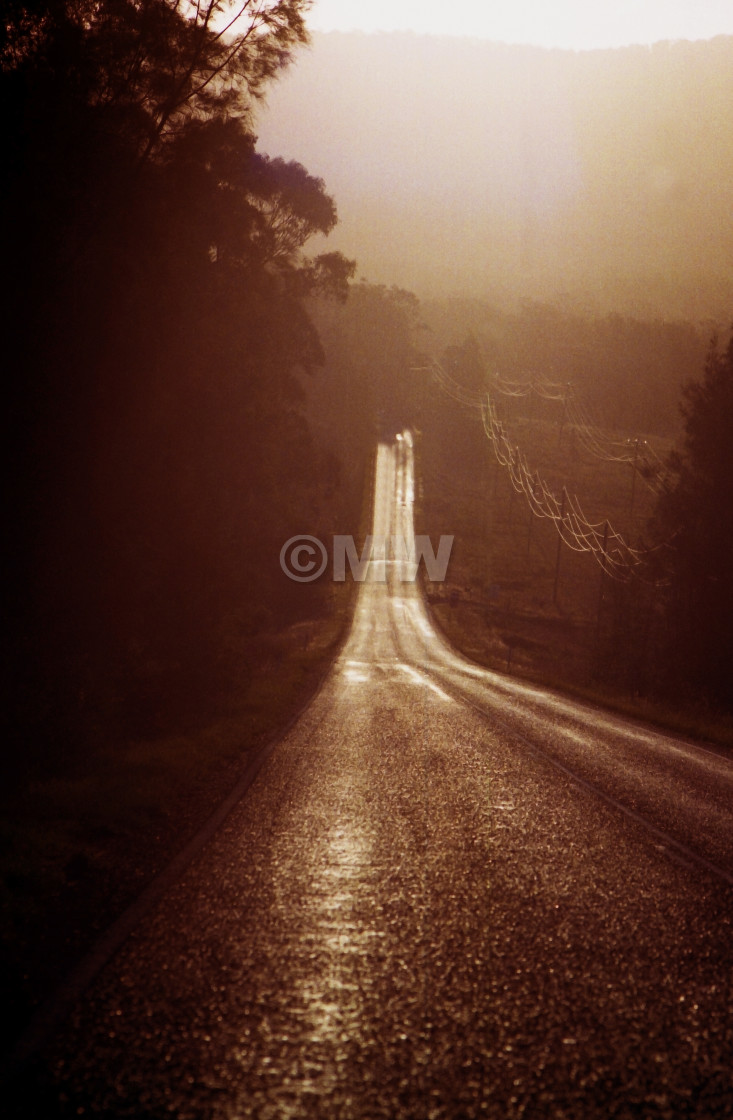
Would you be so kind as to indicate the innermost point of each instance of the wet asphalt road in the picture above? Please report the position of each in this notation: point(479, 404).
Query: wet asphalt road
point(445, 895)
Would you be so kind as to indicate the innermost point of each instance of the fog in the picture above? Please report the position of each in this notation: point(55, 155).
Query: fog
point(197, 392)
point(462, 167)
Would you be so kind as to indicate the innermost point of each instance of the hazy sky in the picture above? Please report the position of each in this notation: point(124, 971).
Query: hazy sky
point(577, 24)
point(467, 167)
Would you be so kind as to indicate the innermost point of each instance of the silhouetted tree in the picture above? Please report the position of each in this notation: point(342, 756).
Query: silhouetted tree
point(159, 343)
point(369, 384)
point(697, 515)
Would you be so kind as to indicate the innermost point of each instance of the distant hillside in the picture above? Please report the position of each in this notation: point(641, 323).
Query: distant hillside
point(462, 167)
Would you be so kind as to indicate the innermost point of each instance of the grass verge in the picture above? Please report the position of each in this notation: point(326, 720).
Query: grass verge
point(535, 661)
point(514, 604)
point(76, 849)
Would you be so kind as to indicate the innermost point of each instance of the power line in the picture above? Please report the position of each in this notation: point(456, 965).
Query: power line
point(638, 453)
point(616, 557)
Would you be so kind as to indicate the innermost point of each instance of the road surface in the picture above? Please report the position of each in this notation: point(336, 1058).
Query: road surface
point(447, 894)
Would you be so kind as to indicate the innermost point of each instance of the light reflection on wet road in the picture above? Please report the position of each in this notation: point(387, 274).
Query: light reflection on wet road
point(446, 895)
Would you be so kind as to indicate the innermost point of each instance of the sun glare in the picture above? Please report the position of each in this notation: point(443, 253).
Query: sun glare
point(573, 24)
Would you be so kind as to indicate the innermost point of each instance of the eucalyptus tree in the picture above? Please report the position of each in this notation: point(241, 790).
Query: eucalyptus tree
point(159, 339)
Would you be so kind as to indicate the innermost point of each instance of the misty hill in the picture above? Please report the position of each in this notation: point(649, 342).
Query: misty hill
point(463, 167)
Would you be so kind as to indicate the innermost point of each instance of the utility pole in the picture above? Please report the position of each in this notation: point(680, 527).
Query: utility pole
point(564, 416)
point(535, 488)
point(602, 582)
point(512, 493)
point(573, 459)
point(633, 484)
point(489, 510)
point(559, 546)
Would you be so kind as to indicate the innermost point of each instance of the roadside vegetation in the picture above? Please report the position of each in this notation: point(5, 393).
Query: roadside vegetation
point(158, 451)
point(190, 388)
point(645, 639)
point(78, 845)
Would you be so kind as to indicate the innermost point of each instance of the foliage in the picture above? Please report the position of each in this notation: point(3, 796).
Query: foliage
point(160, 345)
point(627, 372)
point(369, 387)
point(696, 515)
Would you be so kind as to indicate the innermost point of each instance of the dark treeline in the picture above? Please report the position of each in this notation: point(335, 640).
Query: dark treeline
point(158, 352)
point(627, 372)
point(669, 631)
point(694, 524)
point(369, 384)
point(662, 629)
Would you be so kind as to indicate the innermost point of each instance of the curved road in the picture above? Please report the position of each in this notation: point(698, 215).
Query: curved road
point(446, 895)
